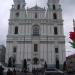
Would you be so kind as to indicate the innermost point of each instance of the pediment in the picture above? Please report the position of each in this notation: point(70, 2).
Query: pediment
point(36, 8)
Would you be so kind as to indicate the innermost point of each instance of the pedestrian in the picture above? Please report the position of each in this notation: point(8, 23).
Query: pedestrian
point(33, 71)
point(14, 72)
point(1, 70)
point(37, 71)
point(9, 72)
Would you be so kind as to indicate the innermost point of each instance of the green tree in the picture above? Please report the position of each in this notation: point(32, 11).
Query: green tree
point(73, 44)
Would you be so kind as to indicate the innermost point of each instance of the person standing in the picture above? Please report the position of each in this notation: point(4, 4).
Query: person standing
point(1, 70)
point(14, 72)
point(9, 72)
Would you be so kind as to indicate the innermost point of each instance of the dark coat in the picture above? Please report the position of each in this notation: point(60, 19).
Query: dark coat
point(9, 72)
point(14, 72)
point(1, 70)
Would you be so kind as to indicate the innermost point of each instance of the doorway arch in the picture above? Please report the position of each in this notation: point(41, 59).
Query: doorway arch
point(35, 60)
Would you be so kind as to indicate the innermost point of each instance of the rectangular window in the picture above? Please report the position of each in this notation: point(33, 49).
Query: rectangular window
point(16, 30)
point(54, 7)
point(55, 30)
point(18, 6)
point(54, 16)
point(56, 50)
point(14, 49)
point(35, 47)
point(35, 15)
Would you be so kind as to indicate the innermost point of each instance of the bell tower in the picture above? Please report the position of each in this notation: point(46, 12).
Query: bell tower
point(53, 4)
point(54, 9)
point(18, 10)
point(19, 4)
point(54, 15)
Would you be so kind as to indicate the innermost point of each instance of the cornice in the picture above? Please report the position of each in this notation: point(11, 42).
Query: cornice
point(41, 42)
point(30, 21)
point(30, 38)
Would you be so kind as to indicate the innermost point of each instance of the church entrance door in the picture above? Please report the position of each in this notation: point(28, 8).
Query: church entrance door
point(35, 60)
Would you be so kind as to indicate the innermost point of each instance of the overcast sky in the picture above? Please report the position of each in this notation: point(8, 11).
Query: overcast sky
point(68, 13)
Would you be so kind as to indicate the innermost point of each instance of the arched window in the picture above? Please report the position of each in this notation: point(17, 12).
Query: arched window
point(54, 16)
point(16, 30)
point(35, 60)
point(54, 7)
point(55, 30)
point(14, 49)
point(56, 50)
point(18, 6)
point(35, 15)
point(11, 62)
point(57, 63)
point(36, 30)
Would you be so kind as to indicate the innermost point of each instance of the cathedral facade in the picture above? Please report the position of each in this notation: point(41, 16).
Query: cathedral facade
point(36, 34)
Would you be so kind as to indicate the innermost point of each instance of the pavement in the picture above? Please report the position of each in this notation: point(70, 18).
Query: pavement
point(21, 73)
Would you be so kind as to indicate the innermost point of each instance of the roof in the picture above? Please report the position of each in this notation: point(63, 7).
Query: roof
point(71, 56)
point(36, 8)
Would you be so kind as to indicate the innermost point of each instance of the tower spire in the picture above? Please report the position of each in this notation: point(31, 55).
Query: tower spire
point(36, 2)
point(74, 25)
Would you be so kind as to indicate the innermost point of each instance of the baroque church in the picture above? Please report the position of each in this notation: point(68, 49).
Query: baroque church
point(36, 35)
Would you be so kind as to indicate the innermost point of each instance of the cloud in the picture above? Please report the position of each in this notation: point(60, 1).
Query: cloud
point(4, 15)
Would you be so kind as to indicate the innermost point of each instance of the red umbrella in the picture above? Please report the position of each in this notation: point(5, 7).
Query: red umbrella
point(72, 36)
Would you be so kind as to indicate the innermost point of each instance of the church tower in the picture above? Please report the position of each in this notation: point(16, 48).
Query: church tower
point(36, 35)
point(54, 15)
point(54, 9)
point(18, 10)
point(15, 31)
